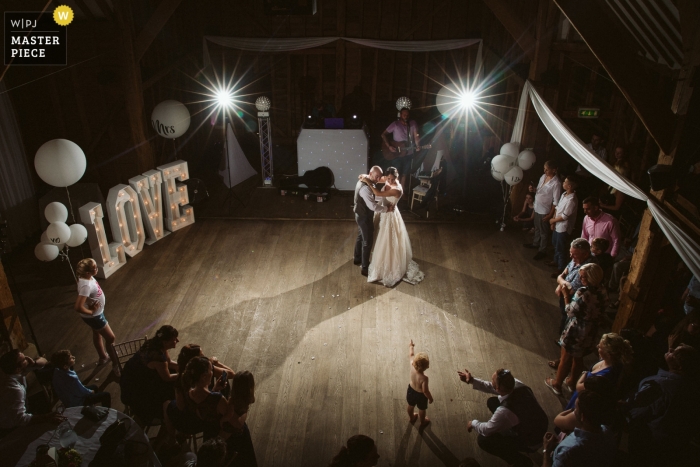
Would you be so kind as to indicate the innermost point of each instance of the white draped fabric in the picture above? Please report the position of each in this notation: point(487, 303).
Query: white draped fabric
point(685, 246)
point(289, 44)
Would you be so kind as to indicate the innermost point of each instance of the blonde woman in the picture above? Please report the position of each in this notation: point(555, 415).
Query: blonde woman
point(91, 306)
point(579, 335)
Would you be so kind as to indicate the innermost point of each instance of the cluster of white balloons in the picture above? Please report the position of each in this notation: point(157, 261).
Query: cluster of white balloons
point(58, 234)
point(509, 165)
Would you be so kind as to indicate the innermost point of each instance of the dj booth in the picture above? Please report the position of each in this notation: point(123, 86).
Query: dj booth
point(345, 152)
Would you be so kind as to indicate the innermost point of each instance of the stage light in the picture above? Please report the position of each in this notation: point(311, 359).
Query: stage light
point(224, 98)
point(467, 99)
point(354, 117)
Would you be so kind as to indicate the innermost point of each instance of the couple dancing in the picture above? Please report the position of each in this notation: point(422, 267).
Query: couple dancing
point(392, 259)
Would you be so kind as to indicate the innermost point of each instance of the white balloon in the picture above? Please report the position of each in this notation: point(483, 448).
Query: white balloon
point(510, 149)
point(514, 176)
point(502, 163)
point(78, 235)
point(56, 212)
point(447, 101)
point(526, 159)
point(170, 119)
point(45, 240)
point(58, 232)
point(60, 162)
point(44, 252)
point(498, 176)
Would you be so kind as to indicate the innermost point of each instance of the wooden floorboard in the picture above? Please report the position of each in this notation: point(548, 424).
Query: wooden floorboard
point(329, 352)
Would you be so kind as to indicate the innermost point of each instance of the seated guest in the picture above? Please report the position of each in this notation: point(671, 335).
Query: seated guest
point(614, 352)
point(590, 444)
point(599, 248)
point(149, 376)
point(518, 422)
point(68, 387)
point(687, 331)
point(526, 217)
point(360, 452)
point(210, 406)
point(13, 392)
point(234, 426)
point(578, 338)
point(566, 421)
point(663, 413)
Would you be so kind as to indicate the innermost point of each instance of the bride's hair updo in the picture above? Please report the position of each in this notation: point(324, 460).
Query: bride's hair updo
point(391, 171)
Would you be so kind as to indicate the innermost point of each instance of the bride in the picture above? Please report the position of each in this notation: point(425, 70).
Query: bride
point(392, 258)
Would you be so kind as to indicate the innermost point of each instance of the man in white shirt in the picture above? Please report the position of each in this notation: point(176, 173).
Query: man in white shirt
point(518, 422)
point(547, 196)
point(562, 224)
point(14, 365)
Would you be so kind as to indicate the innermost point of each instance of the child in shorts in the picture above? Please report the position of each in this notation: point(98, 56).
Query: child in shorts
point(418, 393)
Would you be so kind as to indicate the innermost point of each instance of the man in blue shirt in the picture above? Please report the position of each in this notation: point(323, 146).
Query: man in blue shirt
point(591, 444)
point(68, 387)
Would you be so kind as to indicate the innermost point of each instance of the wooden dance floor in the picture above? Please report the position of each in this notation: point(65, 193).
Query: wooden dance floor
point(328, 350)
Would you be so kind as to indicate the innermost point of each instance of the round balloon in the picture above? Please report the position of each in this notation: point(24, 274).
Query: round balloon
point(170, 119)
point(56, 212)
point(78, 235)
point(447, 101)
point(58, 232)
point(44, 252)
point(60, 162)
point(526, 159)
point(510, 149)
point(514, 176)
point(498, 176)
point(502, 163)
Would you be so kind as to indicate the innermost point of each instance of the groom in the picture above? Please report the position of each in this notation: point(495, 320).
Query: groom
point(365, 207)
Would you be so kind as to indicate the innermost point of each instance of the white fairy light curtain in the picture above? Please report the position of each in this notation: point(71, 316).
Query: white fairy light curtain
point(685, 246)
point(293, 43)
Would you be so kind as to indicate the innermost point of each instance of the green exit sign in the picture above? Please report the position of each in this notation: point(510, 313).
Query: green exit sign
point(588, 112)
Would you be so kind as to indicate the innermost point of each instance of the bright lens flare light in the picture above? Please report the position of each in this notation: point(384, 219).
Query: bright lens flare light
point(224, 98)
point(467, 99)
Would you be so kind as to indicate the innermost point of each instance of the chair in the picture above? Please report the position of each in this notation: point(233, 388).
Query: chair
point(420, 191)
point(125, 350)
point(44, 377)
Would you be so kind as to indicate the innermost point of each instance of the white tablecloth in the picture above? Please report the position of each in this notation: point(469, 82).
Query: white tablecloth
point(19, 447)
point(345, 152)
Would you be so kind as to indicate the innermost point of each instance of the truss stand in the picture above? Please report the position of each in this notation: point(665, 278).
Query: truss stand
point(230, 196)
point(265, 133)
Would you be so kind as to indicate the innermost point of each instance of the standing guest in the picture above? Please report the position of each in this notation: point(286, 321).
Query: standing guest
point(578, 338)
point(418, 392)
point(663, 414)
point(562, 224)
point(547, 196)
point(527, 216)
point(68, 387)
point(691, 296)
point(592, 444)
point(615, 198)
point(568, 282)
point(599, 248)
point(13, 392)
point(614, 352)
point(588, 182)
point(91, 306)
point(518, 422)
point(600, 224)
point(360, 452)
point(150, 374)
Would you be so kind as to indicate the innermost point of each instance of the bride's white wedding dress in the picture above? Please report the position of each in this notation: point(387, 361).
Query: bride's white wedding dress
point(392, 257)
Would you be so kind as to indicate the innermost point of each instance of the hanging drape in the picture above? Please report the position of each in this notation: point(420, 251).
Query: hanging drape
point(16, 187)
point(291, 44)
point(685, 246)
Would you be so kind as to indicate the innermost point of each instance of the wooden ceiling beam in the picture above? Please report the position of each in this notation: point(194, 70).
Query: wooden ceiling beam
point(105, 8)
point(503, 11)
point(153, 27)
point(608, 45)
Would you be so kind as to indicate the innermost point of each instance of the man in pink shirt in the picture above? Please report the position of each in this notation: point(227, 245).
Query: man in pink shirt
point(600, 224)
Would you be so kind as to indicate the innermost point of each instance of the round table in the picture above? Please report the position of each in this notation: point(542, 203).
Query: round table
point(19, 447)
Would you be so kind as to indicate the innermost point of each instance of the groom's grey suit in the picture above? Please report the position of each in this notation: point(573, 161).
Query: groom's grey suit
point(365, 207)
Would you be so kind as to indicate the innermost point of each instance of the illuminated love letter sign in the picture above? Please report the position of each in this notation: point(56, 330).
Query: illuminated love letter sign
point(147, 187)
point(110, 257)
point(178, 213)
point(125, 219)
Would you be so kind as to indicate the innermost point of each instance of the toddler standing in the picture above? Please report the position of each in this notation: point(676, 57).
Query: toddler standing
point(418, 393)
